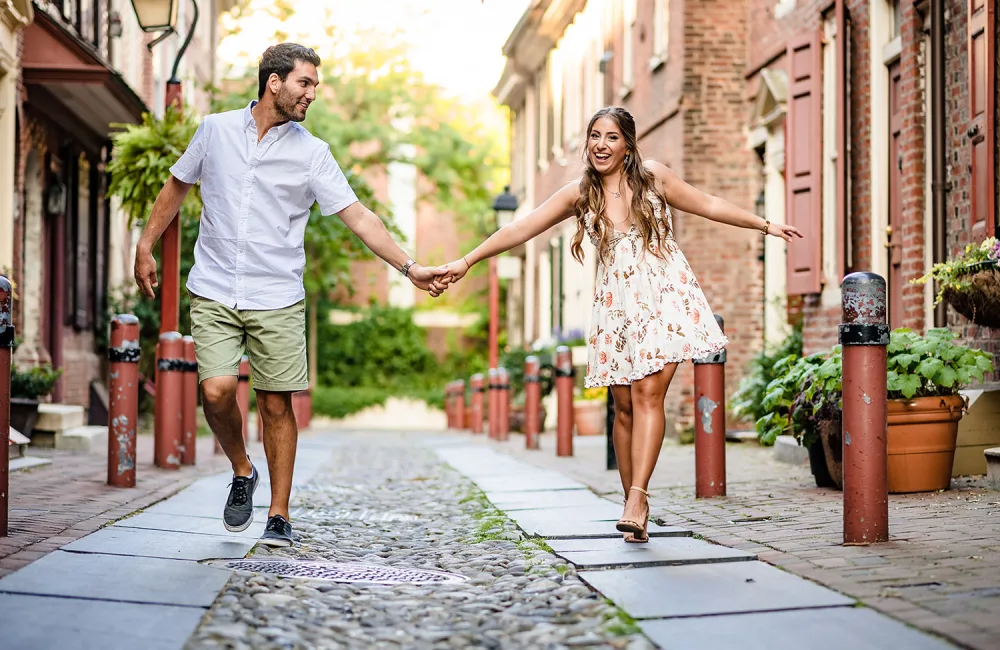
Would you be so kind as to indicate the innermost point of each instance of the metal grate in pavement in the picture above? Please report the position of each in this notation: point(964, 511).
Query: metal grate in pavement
point(346, 572)
point(321, 515)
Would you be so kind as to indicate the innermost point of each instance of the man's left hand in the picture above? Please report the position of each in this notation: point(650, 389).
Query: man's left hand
point(423, 276)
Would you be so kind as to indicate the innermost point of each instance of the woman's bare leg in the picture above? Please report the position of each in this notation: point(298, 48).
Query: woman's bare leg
point(648, 423)
point(622, 433)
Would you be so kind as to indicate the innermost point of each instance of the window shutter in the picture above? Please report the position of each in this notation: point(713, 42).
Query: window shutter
point(81, 267)
point(804, 162)
point(982, 129)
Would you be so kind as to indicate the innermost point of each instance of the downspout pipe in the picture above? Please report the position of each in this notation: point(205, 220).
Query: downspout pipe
point(939, 187)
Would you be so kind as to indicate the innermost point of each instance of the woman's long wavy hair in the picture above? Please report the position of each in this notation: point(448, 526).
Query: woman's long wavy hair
point(640, 181)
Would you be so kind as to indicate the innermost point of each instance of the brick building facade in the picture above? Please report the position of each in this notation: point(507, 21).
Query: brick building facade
point(83, 67)
point(865, 88)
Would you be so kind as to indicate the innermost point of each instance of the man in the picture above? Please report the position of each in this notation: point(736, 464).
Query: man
point(260, 173)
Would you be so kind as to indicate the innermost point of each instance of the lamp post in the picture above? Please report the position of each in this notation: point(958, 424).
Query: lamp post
point(504, 207)
point(161, 16)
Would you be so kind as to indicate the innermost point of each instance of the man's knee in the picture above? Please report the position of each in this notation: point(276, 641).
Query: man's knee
point(218, 391)
point(274, 405)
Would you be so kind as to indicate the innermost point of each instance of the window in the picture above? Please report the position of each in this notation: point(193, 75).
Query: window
point(897, 19)
point(541, 121)
point(628, 48)
point(661, 33)
point(556, 84)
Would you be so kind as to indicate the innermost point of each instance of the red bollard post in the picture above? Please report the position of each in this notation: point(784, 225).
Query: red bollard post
point(189, 419)
point(123, 399)
point(243, 396)
point(169, 401)
point(493, 415)
point(864, 336)
point(6, 350)
point(503, 404)
point(564, 397)
point(476, 386)
point(449, 405)
point(710, 424)
point(460, 422)
point(532, 401)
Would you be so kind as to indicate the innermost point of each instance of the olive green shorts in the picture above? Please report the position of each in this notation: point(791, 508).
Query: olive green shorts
point(274, 340)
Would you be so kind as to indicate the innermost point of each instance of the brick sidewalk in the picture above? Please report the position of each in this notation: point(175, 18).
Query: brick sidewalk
point(940, 571)
point(53, 505)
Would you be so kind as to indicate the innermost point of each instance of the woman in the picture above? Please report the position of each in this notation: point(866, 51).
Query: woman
point(649, 312)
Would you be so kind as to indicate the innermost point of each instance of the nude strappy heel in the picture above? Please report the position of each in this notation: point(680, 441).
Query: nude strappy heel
point(637, 529)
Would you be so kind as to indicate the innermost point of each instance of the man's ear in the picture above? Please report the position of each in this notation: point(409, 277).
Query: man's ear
point(274, 83)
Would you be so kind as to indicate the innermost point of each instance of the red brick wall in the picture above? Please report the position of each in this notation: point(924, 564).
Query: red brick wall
point(715, 159)
point(957, 112)
point(914, 140)
point(80, 366)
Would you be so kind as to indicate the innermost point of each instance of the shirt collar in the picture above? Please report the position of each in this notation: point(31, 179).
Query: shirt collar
point(248, 121)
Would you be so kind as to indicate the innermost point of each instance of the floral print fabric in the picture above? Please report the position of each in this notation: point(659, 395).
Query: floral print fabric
point(648, 311)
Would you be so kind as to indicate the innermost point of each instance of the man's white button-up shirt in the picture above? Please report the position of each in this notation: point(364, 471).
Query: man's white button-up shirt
point(256, 196)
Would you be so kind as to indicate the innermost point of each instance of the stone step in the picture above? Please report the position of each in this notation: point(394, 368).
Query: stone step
point(59, 417)
point(18, 444)
point(993, 467)
point(788, 450)
point(89, 439)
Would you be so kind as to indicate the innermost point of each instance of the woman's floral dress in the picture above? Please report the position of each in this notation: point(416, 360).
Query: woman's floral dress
point(648, 311)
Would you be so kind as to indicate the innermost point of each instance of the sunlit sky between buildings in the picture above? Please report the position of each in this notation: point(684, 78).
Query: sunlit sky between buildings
point(456, 44)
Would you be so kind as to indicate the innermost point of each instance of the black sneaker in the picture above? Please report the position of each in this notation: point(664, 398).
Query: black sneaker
point(278, 532)
point(238, 514)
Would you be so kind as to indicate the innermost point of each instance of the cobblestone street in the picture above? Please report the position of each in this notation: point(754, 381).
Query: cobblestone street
point(383, 499)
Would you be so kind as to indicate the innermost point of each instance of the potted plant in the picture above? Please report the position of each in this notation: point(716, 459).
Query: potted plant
point(923, 379)
point(970, 282)
point(26, 387)
point(788, 410)
point(590, 411)
point(924, 376)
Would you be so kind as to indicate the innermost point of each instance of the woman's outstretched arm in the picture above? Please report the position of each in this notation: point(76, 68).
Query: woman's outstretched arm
point(693, 201)
point(556, 208)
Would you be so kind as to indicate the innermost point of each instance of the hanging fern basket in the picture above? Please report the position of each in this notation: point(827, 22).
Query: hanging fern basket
point(980, 301)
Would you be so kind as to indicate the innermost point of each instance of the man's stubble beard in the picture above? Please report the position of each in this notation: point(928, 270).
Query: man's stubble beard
point(285, 105)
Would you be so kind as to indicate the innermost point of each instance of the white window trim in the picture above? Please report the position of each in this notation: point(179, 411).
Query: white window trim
point(661, 34)
point(628, 48)
point(830, 296)
point(880, 35)
point(783, 7)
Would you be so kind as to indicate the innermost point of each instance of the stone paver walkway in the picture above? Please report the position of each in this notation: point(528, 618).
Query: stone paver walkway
point(506, 554)
point(940, 571)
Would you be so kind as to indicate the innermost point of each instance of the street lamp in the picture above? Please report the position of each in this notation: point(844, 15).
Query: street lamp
point(504, 207)
point(155, 16)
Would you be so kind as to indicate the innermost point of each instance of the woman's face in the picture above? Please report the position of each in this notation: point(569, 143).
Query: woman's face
point(606, 146)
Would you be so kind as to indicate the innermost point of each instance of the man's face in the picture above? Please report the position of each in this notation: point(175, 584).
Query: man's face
point(297, 91)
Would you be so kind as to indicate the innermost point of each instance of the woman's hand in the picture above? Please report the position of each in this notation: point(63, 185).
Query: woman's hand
point(430, 279)
point(450, 273)
point(784, 231)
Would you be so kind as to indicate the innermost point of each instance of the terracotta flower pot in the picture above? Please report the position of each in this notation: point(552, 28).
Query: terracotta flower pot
point(922, 434)
point(590, 417)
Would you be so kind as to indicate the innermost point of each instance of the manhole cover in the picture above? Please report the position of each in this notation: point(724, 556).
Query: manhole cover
point(341, 514)
point(346, 572)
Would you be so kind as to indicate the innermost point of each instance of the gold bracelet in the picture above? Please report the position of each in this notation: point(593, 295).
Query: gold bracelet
point(767, 224)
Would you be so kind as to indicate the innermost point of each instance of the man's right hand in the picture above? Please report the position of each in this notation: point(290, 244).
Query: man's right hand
point(145, 272)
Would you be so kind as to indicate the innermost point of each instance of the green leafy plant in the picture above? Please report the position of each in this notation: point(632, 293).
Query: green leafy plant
point(955, 274)
point(33, 383)
point(808, 390)
point(931, 366)
point(746, 402)
point(141, 158)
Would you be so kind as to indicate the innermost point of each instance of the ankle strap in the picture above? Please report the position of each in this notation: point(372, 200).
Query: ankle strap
point(636, 487)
